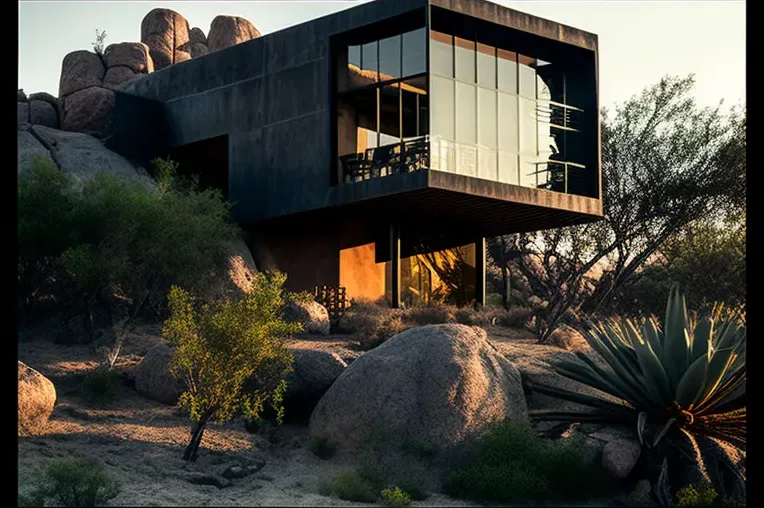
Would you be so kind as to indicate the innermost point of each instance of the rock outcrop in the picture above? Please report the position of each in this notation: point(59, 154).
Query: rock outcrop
point(153, 379)
point(436, 385)
point(227, 31)
point(568, 338)
point(166, 33)
point(314, 372)
point(87, 84)
point(36, 400)
point(198, 42)
point(79, 155)
point(313, 316)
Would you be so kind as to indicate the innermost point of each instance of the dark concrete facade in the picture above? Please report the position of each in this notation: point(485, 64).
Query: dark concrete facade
point(273, 100)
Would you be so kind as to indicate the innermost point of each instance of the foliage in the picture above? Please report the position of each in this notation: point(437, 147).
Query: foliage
point(681, 378)
point(509, 463)
point(395, 497)
point(98, 45)
point(102, 385)
point(72, 482)
point(372, 323)
point(351, 487)
point(75, 241)
point(707, 260)
point(691, 497)
point(301, 297)
point(322, 447)
point(221, 346)
point(432, 314)
point(667, 164)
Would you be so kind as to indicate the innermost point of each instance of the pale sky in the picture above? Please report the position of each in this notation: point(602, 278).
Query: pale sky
point(639, 41)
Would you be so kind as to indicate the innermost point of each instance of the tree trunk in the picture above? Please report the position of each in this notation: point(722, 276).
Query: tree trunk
point(192, 450)
point(504, 286)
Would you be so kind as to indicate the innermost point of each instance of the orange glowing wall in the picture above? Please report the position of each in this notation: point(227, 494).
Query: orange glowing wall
point(360, 275)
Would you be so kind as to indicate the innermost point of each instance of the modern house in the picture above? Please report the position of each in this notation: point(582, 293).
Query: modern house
point(376, 148)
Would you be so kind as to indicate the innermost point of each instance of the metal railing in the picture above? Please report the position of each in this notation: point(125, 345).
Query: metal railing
point(405, 157)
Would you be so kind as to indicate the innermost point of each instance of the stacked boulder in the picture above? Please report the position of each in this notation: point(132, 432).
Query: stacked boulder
point(87, 84)
point(166, 33)
point(198, 42)
point(38, 109)
point(227, 31)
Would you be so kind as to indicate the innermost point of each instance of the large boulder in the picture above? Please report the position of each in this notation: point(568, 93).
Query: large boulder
point(29, 149)
point(198, 49)
point(227, 31)
point(36, 399)
point(53, 101)
point(20, 95)
point(133, 55)
point(90, 111)
point(436, 385)
point(153, 379)
point(117, 76)
point(620, 455)
point(312, 315)
point(241, 266)
point(79, 70)
point(165, 32)
point(313, 374)
point(42, 113)
point(196, 35)
point(84, 156)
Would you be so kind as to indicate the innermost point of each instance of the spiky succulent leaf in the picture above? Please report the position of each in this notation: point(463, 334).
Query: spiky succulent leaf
point(676, 337)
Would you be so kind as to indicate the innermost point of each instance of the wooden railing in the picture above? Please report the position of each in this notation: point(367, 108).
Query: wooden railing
point(334, 299)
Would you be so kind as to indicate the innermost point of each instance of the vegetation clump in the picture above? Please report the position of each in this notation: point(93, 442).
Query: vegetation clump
point(230, 354)
point(322, 448)
point(394, 496)
point(72, 482)
point(102, 385)
point(510, 464)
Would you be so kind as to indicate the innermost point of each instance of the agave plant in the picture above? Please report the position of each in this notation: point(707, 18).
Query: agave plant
point(685, 378)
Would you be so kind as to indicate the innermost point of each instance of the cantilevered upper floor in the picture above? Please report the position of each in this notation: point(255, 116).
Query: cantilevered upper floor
point(456, 112)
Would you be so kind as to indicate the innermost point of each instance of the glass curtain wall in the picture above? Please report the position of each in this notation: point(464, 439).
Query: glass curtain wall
point(501, 116)
point(382, 106)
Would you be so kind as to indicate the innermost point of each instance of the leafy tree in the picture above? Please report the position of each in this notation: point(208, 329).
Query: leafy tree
point(85, 243)
point(667, 163)
point(223, 347)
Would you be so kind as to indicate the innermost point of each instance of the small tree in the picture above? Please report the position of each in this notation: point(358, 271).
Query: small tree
point(221, 347)
point(98, 45)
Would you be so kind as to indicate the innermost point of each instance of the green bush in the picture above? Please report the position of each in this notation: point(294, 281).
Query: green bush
point(321, 447)
point(510, 464)
point(102, 385)
point(690, 497)
point(395, 497)
point(352, 487)
point(231, 353)
point(76, 240)
point(72, 482)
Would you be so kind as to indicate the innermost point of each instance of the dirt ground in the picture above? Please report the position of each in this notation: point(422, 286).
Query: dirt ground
point(141, 442)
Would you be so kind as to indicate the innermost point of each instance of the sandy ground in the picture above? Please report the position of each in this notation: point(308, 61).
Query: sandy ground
point(141, 442)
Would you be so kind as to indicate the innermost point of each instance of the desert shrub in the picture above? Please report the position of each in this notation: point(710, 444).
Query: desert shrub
point(372, 323)
point(78, 240)
point(230, 353)
point(351, 487)
point(102, 385)
point(518, 317)
point(322, 447)
point(432, 314)
point(72, 482)
point(301, 297)
point(98, 45)
point(395, 497)
point(509, 463)
point(690, 497)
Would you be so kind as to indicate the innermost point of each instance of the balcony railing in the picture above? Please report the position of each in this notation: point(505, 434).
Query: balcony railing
point(410, 155)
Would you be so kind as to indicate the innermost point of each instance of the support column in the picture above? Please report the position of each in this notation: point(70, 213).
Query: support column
point(395, 256)
point(480, 261)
